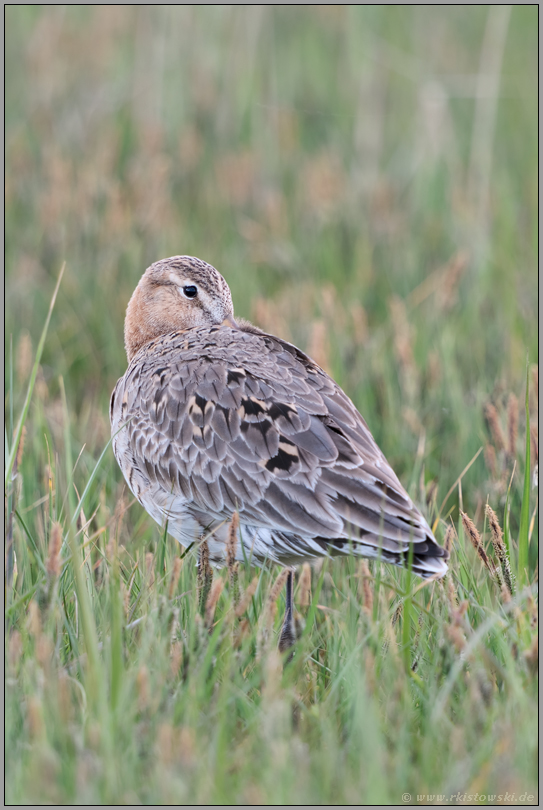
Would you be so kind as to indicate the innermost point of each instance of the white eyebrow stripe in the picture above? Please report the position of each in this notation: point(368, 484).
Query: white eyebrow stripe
point(180, 282)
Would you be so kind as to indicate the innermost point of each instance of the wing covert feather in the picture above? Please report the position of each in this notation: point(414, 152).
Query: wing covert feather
point(247, 421)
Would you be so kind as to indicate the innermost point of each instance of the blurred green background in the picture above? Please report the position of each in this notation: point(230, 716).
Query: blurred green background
point(365, 177)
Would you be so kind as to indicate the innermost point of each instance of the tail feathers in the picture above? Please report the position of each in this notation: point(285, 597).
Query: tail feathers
point(427, 562)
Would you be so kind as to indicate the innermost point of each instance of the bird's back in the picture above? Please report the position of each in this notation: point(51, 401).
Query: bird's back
point(219, 420)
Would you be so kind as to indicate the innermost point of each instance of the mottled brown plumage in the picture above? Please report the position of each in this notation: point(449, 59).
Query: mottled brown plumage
point(214, 416)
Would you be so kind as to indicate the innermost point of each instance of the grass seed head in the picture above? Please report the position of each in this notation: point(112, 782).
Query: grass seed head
point(451, 594)
point(532, 656)
point(149, 569)
point(491, 460)
point(475, 539)
point(449, 539)
point(276, 589)
point(245, 600)
point(232, 541)
point(205, 576)
point(174, 579)
point(304, 598)
point(318, 344)
point(500, 549)
point(142, 686)
point(211, 603)
point(176, 658)
point(165, 744)
point(53, 564)
point(34, 718)
point(15, 649)
point(233, 567)
point(34, 620)
point(493, 421)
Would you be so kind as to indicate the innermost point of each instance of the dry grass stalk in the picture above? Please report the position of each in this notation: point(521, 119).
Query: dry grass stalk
point(174, 626)
point(390, 636)
point(15, 649)
point(176, 658)
point(233, 567)
point(304, 592)
point(24, 356)
point(449, 539)
point(165, 744)
point(82, 522)
point(390, 642)
point(277, 587)
point(149, 570)
point(65, 706)
point(491, 460)
point(369, 668)
point(34, 620)
point(360, 323)
point(318, 344)
point(451, 594)
point(53, 564)
point(20, 448)
point(44, 653)
point(533, 611)
point(453, 271)
point(174, 579)
point(493, 421)
point(431, 490)
point(205, 576)
point(120, 509)
point(500, 549)
point(532, 656)
point(125, 594)
point(455, 630)
point(403, 347)
point(269, 613)
point(475, 539)
point(397, 613)
point(246, 598)
point(512, 425)
point(34, 717)
point(267, 314)
point(142, 685)
point(505, 594)
point(211, 603)
point(367, 590)
point(241, 631)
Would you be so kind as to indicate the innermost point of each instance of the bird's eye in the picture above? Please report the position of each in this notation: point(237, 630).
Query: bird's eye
point(190, 291)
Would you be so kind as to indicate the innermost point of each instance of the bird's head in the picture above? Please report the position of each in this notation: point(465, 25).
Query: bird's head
point(173, 294)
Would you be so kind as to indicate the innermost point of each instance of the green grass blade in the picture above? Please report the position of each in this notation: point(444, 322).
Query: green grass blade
point(34, 374)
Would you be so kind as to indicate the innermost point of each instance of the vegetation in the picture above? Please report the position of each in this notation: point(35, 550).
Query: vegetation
point(365, 179)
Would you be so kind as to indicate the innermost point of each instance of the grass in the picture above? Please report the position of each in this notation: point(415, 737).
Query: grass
point(364, 178)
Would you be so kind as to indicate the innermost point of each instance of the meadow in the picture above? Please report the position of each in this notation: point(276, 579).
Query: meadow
point(365, 178)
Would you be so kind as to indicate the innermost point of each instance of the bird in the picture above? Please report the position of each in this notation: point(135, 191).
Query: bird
point(214, 416)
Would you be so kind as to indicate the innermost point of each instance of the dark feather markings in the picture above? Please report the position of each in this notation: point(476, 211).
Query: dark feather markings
point(247, 421)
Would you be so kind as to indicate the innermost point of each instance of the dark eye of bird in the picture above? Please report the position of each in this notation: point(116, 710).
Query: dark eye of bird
point(190, 291)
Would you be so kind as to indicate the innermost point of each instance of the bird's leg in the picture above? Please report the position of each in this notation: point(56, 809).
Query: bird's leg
point(288, 631)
